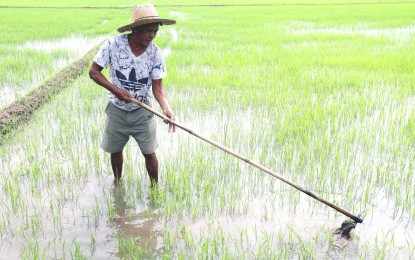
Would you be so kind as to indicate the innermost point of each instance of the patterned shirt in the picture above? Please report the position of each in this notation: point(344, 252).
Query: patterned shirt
point(134, 74)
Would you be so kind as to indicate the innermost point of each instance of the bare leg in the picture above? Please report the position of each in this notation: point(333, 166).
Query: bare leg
point(117, 160)
point(152, 166)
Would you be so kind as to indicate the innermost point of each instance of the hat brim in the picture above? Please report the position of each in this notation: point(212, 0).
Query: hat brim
point(140, 22)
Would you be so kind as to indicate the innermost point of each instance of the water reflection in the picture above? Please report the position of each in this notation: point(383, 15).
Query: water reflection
point(341, 246)
point(138, 224)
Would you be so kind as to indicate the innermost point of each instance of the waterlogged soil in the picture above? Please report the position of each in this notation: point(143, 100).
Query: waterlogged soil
point(120, 214)
point(144, 224)
point(21, 110)
point(137, 219)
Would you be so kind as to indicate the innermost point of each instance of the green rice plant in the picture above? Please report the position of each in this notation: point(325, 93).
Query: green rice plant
point(130, 248)
point(32, 251)
point(93, 243)
point(111, 208)
point(77, 253)
point(96, 211)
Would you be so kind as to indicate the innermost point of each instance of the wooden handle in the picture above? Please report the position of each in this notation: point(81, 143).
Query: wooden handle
point(245, 159)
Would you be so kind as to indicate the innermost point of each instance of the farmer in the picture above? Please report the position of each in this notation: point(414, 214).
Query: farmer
point(136, 67)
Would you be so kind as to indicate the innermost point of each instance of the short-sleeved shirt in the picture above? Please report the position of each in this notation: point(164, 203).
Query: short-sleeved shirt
point(134, 74)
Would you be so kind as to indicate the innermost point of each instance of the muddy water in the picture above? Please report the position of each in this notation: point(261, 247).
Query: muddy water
point(141, 223)
point(138, 222)
point(266, 221)
point(266, 224)
point(75, 207)
point(145, 224)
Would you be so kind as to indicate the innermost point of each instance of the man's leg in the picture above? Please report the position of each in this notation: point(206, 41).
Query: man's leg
point(115, 137)
point(152, 166)
point(117, 160)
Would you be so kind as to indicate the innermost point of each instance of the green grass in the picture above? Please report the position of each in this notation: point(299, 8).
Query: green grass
point(321, 94)
point(122, 4)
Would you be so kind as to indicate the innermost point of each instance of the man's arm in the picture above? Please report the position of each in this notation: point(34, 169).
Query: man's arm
point(95, 73)
point(160, 95)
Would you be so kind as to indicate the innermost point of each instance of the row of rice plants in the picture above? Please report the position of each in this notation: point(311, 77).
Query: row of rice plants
point(315, 101)
point(202, 208)
point(94, 217)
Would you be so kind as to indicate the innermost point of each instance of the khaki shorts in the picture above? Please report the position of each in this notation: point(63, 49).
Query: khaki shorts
point(121, 124)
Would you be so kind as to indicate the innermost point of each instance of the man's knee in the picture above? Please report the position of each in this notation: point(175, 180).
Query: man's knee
point(117, 154)
point(151, 156)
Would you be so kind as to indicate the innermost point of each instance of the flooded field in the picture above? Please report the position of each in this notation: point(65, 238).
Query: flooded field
point(60, 200)
point(310, 101)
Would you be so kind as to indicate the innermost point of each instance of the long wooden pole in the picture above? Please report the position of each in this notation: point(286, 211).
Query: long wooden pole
point(245, 159)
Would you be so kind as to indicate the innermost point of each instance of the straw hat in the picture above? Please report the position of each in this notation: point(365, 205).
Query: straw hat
point(144, 14)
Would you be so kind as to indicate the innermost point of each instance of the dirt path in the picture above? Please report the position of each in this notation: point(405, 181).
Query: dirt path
point(21, 110)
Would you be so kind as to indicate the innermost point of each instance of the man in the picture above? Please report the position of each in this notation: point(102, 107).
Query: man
point(136, 65)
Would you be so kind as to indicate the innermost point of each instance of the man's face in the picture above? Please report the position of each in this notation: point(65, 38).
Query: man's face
point(143, 35)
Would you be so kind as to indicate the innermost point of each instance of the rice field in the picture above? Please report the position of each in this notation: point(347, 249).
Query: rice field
point(321, 93)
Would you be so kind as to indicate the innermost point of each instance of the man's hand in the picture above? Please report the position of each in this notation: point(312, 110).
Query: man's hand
point(122, 94)
point(160, 95)
point(168, 113)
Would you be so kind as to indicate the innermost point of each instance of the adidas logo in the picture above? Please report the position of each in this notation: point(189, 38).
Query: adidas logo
point(131, 84)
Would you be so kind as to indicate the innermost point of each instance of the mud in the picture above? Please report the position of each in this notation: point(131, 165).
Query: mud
point(345, 229)
point(342, 246)
point(21, 110)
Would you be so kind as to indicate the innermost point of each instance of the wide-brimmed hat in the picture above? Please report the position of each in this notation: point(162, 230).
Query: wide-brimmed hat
point(144, 14)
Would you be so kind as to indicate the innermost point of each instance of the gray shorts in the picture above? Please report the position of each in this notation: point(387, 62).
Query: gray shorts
point(120, 124)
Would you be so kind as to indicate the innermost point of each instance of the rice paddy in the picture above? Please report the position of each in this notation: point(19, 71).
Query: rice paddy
point(322, 94)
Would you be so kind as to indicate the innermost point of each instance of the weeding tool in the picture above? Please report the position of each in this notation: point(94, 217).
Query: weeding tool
point(356, 219)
